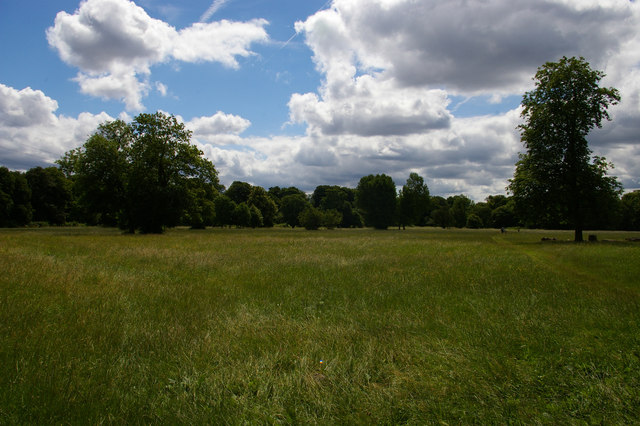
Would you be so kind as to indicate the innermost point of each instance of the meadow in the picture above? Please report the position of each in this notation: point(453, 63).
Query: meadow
point(343, 326)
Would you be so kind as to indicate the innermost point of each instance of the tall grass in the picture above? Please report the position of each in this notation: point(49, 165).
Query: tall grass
point(289, 326)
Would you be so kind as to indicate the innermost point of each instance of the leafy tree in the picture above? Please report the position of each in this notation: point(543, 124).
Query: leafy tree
point(239, 192)
point(474, 221)
point(277, 194)
point(630, 206)
point(291, 206)
point(376, 198)
point(101, 171)
point(265, 204)
point(15, 199)
point(483, 211)
point(413, 202)
point(224, 208)
point(145, 175)
point(242, 215)
point(555, 180)
point(460, 208)
point(331, 218)
point(311, 218)
point(495, 201)
point(441, 213)
point(50, 194)
point(504, 216)
point(256, 217)
point(338, 198)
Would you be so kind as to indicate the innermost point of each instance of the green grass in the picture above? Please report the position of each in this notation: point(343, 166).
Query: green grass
point(230, 326)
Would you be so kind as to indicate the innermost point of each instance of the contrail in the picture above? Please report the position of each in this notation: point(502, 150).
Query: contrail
point(296, 33)
point(217, 4)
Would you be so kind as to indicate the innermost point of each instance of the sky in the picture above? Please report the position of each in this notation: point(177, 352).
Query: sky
point(314, 92)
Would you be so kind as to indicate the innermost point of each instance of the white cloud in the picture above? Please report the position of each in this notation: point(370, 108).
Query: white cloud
point(114, 43)
point(32, 134)
point(218, 127)
point(221, 41)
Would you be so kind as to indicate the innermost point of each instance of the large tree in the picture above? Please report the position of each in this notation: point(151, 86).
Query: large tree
point(376, 198)
point(556, 180)
point(145, 175)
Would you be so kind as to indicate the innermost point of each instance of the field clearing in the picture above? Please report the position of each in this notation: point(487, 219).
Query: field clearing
point(343, 326)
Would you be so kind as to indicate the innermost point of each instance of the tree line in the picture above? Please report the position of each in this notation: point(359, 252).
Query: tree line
point(147, 176)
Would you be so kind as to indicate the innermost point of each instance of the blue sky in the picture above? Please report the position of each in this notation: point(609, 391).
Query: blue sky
point(304, 93)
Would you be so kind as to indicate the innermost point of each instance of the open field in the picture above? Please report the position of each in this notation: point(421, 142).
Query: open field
point(292, 326)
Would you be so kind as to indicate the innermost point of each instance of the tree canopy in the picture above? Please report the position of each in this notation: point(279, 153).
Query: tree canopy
point(144, 176)
point(556, 180)
point(376, 197)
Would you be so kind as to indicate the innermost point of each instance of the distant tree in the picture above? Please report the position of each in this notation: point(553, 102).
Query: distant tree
point(256, 217)
point(441, 212)
point(241, 215)
point(311, 218)
point(555, 180)
point(495, 201)
point(265, 204)
point(239, 192)
point(376, 198)
point(15, 199)
point(224, 208)
point(460, 207)
point(413, 201)
point(291, 206)
point(277, 194)
point(630, 206)
point(331, 218)
point(483, 211)
point(50, 194)
point(474, 221)
point(338, 198)
point(504, 216)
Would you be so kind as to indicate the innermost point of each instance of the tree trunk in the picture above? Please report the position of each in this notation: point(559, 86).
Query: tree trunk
point(578, 235)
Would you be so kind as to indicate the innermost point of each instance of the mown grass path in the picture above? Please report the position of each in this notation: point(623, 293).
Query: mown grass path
point(343, 326)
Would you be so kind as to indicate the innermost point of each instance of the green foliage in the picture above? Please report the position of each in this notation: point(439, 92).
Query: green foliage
point(224, 208)
point(338, 198)
point(474, 221)
point(256, 217)
point(504, 216)
point(15, 199)
point(239, 192)
point(331, 218)
point(441, 213)
point(311, 218)
point(50, 194)
point(630, 206)
point(460, 207)
point(291, 206)
point(143, 176)
point(555, 181)
point(268, 209)
point(413, 201)
point(376, 198)
point(242, 215)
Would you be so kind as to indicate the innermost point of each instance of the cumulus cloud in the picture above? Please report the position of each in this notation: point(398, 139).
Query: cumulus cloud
point(390, 66)
point(114, 43)
point(32, 134)
point(467, 47)
point(218, 128)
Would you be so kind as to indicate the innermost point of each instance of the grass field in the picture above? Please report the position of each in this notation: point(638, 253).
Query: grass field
point(343, 326)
